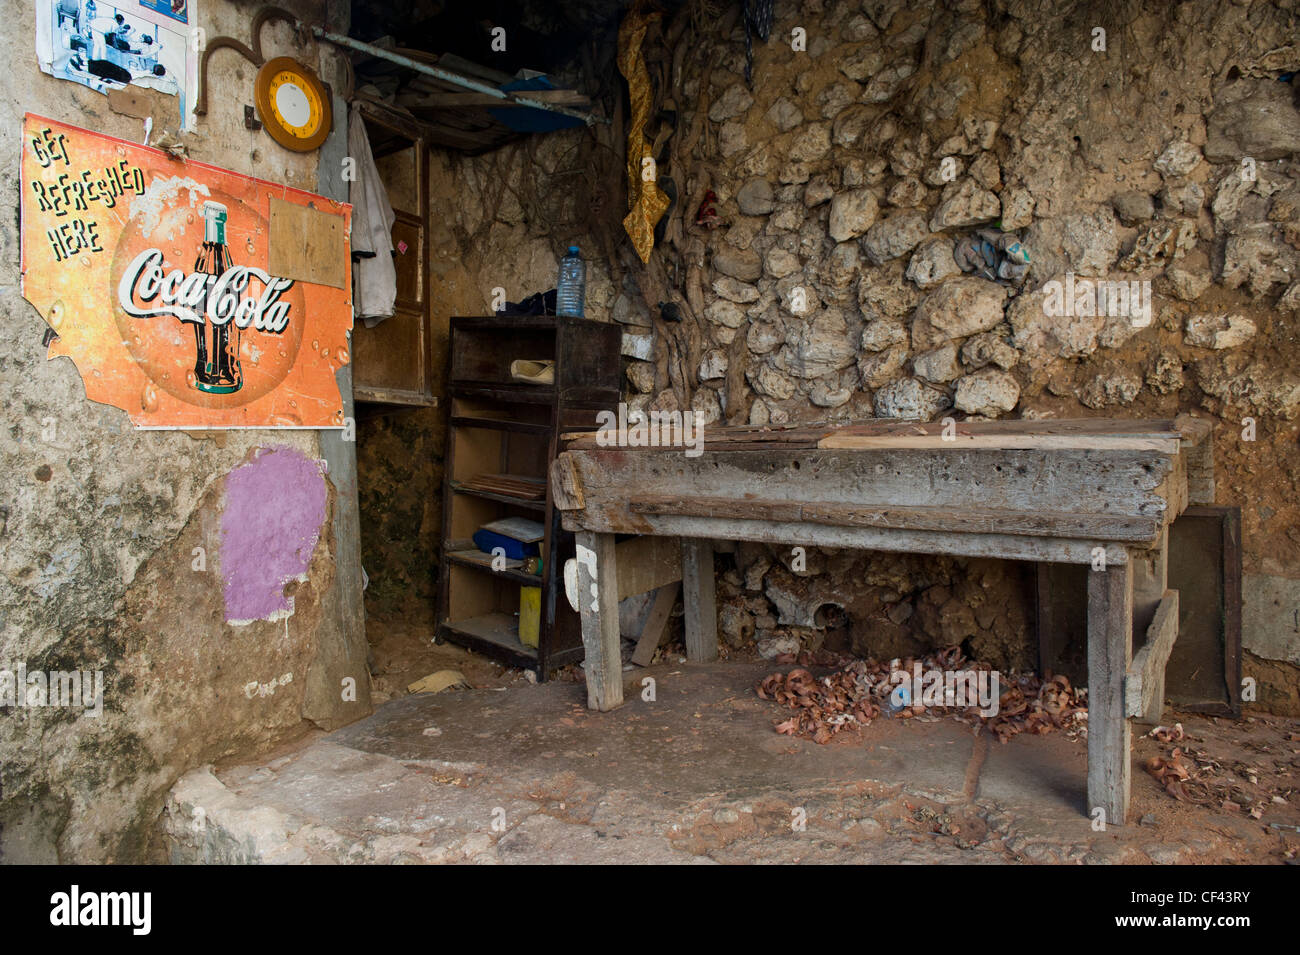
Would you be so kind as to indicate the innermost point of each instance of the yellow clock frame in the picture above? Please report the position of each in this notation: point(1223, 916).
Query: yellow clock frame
point(286, 70)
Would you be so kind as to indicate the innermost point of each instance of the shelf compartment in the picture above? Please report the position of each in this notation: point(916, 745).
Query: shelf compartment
point(476, 559)
point(503, 391)
point(521, 487)
point(537, 506)
point(499, 424)
point(495, 634)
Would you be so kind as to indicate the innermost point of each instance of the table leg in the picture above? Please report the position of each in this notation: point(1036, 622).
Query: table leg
point(699, 601)
point(598, 608)
point(1110, 649)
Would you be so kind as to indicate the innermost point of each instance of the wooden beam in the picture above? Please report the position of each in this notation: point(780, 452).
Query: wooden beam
point(1123, 482)
point(598, 608)
point(964, 442)
point(1198, 449)
point(1150, 580)
point(1193, 431)
point(656, 624)
point(1067, 433)
point(1110, 648)
point(566, 484)
point(1114, 527)
point(619, 519)
point(1144, 686)
point(699, 601)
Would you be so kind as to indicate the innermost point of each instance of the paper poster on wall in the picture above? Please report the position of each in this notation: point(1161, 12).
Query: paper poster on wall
point(153, 273)
point(112, 45)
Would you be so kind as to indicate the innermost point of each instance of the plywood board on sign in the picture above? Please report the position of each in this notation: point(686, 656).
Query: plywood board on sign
point(306, 244)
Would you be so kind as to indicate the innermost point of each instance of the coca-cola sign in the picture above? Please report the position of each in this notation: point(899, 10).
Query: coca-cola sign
point(197, 297)
point(154, 276)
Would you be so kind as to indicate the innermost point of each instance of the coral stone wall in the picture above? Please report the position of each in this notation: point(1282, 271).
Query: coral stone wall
point(1138, 143)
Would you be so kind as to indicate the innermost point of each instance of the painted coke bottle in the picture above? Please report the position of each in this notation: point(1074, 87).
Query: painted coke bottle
point(216, 365)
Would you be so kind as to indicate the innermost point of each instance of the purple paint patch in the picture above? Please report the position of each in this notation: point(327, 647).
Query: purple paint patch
point(275, 506)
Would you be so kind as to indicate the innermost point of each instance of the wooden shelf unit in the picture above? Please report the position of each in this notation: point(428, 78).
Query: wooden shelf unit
point(500, 431)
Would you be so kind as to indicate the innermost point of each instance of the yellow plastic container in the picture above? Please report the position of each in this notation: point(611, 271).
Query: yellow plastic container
point(530, 615)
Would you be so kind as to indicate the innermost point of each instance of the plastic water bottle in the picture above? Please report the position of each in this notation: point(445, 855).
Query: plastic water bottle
point(572, 287)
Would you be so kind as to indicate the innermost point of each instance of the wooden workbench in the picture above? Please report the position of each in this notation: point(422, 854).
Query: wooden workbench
point(1097, 492)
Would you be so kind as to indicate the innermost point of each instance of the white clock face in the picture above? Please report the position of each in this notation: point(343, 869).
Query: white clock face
point(292, 104)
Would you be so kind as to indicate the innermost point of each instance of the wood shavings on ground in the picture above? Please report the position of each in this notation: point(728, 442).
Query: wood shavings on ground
point(862, 690)
point(1195, 776)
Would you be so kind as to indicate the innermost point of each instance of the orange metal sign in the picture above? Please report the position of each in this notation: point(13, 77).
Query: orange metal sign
point(152, 271)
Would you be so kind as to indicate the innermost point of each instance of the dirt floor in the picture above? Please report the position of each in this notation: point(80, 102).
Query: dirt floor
point(510, 771)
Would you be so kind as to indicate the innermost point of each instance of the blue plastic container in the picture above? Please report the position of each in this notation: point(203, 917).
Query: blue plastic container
point(486, 541)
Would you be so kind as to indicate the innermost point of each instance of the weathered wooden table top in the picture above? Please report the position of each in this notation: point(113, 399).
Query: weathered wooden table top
point(1037, 490)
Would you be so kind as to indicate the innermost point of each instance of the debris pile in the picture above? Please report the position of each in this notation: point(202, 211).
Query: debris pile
point(1195, 776)
point(939, 684)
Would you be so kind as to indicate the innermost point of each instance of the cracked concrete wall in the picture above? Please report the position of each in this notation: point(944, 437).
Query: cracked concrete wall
point(99, 526)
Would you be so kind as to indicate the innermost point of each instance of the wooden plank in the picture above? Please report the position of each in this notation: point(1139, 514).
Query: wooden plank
point(566, 484)
point(730, 438)
point(1047, 433)
point(1193, 431)
point(648, 563)
point(472, 555)
point(619, 519)
point(717, 507)
point(1150, 580)
point(306, 244)
point(656, 624)
point(1150, 583)
point(523, 529)
point(598, 608)
point(1144, 685)
point(699, 601)
point(460, 139)
point(511, 485)
point(1200, 471)
point(1168, 445)
point(1145, 427)
point(385, 114)
point(458, 64)
point(1198, 454)
point(1110, 648)
point(1173, 489)
point(1062, 481)
point(966, 520)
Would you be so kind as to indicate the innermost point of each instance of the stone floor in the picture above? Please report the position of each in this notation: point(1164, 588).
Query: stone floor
point(528, 774)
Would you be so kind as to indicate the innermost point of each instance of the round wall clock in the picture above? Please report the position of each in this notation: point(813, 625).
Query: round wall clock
point(293, 104)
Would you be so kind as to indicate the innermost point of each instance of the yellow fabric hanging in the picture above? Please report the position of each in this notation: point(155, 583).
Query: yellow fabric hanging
point(646, 201)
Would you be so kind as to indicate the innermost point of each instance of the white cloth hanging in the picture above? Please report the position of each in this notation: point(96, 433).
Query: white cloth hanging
point(374, 275)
